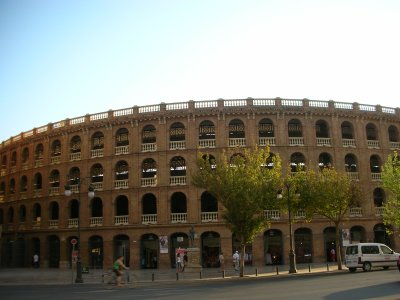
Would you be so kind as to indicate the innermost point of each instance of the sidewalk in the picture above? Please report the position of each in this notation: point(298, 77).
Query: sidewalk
point(19, 276)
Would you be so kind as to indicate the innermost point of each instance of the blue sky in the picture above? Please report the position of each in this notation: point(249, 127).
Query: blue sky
point(63, 59)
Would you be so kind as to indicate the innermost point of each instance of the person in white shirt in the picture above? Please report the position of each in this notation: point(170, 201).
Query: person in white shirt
point(236, 260)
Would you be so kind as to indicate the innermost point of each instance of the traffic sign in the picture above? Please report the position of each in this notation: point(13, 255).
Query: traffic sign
point(74, 241)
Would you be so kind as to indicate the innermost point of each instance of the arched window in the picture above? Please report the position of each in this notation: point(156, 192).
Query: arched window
point(96, 207)
point(122, 207)
point(54, 211)
point(372, 132)
point(149, 204)
point(324, 160)
point(350, 163)
point(54, 179)
point(321, 129)
point(178, 166)
point(347, 130)
point(295, 128)
point(122, 137)
point(74, 176)
point(22, 214)
point(14, 159)
point(208, 203)
point(379, 197)
point(236, 129)
point(121, 170)
point(148, 134)
point(375, 164)
point(207, 134)
point(149, 138)
point(37, 181)
point(23, 184)
point(75, 144)
point(149, 168)
point(297, 162)
point(177, 132)
point(178, 208)
point(96, 173)
point(56, 148)
point(97, 140)
point(266, 128)
point(266, 134)
point(12, 186)
point(39, 152)
point(25, 155)
point(207, 130)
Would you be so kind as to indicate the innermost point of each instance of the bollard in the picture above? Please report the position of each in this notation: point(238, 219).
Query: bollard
point(309, 268)
point(201, 275)
point(327, 267)
point(256, 271)
point(177, 276)
point(277, 270)
point(223, 274)
point(152, 277)
point(102, 278)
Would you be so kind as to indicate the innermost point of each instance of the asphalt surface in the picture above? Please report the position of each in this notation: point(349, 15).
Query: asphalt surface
point(47, 276)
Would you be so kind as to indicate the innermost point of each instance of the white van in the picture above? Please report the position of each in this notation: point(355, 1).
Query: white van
point(369, 255)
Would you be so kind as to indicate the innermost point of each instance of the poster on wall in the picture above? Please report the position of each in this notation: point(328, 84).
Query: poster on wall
point(345, 237)
point(163, 244)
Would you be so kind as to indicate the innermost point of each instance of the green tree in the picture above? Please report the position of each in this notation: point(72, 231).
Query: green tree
point(245, 185)
point(391, 182)
point(330, 194)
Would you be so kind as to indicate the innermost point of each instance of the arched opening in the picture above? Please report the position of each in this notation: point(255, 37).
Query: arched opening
point(149, 251)
point(210, 249)
point(273, 247)
point(303, 245)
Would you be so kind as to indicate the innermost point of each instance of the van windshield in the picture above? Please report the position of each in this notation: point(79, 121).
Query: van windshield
point(386, 250)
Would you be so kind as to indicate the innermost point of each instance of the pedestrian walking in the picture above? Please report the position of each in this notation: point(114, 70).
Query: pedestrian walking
point(221, 262)
point(118, 267)
point(236, 260)
point(35, 261)
point(178, 263)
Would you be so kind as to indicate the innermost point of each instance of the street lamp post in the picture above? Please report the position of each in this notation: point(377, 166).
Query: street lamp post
point(292, 255)
point(68, 193)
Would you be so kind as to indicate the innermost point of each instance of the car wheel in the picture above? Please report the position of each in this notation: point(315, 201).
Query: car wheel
point(352, 270)
point(367, 266)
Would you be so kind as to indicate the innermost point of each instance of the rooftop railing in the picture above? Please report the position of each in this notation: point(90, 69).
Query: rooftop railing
point(220, 104)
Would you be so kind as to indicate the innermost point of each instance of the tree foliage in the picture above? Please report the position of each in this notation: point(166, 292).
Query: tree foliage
point(245, 184)
point(391, 182)
point(327, 193)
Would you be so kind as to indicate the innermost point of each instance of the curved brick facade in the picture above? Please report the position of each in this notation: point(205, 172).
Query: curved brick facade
point(138, 160)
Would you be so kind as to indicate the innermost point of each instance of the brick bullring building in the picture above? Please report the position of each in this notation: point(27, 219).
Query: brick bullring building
point(138, 161)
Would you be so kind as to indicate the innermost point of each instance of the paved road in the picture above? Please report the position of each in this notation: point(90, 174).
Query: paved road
point(343, 285)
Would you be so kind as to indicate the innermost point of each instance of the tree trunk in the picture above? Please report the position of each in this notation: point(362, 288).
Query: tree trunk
point(338, 247)
point(242, 253)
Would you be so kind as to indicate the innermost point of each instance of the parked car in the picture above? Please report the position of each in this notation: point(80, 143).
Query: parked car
point(369, 255)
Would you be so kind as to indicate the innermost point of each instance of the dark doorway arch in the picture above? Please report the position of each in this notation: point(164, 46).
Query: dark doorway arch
point(96, 252)
point(121, 247)
point(303, 245)
point(149, 251)
point(178, 240)
point(210, 249)
point(54, 251)
point(330, 243)
point(273, 247)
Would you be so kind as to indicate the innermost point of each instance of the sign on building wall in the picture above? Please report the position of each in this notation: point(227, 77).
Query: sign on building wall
point(345, 237)
point(163, 244)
